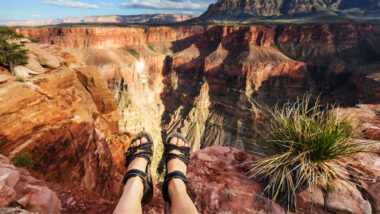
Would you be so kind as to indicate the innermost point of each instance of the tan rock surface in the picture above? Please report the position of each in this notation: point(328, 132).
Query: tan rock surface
point(23, 71)
point(44, 57)
point(4, 75)
point(34, 65)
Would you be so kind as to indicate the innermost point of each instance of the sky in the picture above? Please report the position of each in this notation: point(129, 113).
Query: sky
point(19, 10)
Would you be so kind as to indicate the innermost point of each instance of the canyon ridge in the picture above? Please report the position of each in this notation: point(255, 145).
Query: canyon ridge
point(87, 90)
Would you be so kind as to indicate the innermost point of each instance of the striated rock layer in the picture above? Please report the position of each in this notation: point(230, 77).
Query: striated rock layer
point(203, 80)
point(206, 82)
point(62, 123)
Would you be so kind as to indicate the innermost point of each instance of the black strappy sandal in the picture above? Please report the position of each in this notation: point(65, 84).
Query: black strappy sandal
point(184, 157)
point(144, 150)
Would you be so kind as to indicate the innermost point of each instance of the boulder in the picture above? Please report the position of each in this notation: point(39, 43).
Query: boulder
point(217, 183)
point(34, 65)
point(343, 198)
point(96, 85)
point(18, 187)
point(44, 57)
point(22, 71)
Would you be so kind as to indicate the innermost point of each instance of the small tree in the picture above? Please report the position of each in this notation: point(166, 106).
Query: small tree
point(11, 54)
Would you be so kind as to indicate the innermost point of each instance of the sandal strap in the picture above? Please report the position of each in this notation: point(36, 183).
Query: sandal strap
point(134, 173)
point(168, 177)
point(170, 147)
point(183, 158)
point(145, 152)
point(142, 146)
point(147, 182)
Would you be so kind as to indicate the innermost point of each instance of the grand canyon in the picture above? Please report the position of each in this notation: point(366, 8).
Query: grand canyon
point(86, 91)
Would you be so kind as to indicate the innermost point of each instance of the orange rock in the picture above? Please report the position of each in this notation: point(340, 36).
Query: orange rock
point(96, 85)
point(55, 119)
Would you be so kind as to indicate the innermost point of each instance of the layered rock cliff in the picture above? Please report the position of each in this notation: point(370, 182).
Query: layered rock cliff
point(202, 80)
point(243, 10)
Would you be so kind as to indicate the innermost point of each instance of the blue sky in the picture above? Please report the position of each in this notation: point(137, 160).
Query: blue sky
point(17, 10)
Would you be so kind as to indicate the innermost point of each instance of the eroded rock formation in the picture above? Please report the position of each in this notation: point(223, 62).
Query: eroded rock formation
point(61, 118)
point(19, 188)
point(203, 81)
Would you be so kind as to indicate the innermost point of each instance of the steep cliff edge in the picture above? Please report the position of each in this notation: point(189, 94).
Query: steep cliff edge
point(201, 80)
point(61, 120)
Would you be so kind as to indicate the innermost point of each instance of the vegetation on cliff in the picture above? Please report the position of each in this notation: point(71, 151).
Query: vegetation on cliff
point(23, 160)
point(303, 146)
point(11, 53)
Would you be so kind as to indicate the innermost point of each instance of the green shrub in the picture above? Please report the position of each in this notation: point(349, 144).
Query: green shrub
point(35, 40)
point(19, 79)
point(11, 54)
point(23, 160)
point(134, 53)
point(302, 146)
point(151, 48)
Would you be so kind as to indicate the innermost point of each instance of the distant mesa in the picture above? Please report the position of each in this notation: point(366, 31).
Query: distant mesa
point(254, 10)
point(109, 19)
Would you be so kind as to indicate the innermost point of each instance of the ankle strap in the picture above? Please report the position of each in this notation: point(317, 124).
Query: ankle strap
point(134, 173)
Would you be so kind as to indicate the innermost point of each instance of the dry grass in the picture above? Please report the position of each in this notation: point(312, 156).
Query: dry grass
point(303, 145)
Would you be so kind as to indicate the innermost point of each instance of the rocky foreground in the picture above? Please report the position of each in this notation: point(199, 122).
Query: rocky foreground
point(74, 106)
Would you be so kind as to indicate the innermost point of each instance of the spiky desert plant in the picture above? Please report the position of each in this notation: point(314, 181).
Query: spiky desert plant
point(302, 144)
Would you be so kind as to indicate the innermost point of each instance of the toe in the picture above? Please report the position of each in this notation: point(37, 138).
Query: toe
point(180, 142)
point(137, 142)
point(174, 140)
point(143, 140)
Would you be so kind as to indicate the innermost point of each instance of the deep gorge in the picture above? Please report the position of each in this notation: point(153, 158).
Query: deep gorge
point(86, 90)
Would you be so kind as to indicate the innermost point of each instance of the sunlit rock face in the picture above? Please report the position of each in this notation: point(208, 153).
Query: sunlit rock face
point(202, 80)
point(254, 10)
point(206, 82)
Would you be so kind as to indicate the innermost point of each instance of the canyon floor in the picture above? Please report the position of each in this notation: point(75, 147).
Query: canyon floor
point(87, 90)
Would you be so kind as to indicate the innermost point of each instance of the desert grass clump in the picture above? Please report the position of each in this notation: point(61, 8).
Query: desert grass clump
point(303, 144)
point(134, 53)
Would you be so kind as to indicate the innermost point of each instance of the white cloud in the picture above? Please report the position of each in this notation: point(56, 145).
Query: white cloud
point(73, 4)
point(108, 4)
point(181, 5)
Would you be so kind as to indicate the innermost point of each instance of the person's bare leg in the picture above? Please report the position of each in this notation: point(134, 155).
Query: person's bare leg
point(181, 203)
point(130, 201)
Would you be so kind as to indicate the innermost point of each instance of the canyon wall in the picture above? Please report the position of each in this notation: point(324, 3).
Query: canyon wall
point(206, 81)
